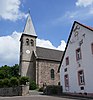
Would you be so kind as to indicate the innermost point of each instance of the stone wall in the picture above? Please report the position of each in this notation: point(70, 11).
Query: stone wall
point(14, 91)
point(43, 72)
point(24, 89)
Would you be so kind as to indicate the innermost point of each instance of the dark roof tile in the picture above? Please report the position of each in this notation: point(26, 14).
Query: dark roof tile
point(48, 54)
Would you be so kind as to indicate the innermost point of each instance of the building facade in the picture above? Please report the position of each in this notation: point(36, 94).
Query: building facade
point(76, 67)
point(39, 64)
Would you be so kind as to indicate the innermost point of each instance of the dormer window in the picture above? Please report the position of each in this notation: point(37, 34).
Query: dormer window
point(27, 41)
point(32, 42)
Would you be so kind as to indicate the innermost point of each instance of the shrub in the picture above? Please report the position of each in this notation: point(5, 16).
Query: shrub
point(13, 81)
point(41, 89)
point(1, 84)
point(6, 82)
point(32, 85)
point(53, 89)
point(23, 80)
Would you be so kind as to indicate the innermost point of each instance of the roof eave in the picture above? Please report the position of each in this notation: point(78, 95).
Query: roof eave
point(23, 34)
point(66, 47)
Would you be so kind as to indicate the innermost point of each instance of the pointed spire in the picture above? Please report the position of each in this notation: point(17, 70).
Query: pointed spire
point(29, 28)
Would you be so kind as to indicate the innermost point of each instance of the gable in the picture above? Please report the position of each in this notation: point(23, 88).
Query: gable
point(74, 31)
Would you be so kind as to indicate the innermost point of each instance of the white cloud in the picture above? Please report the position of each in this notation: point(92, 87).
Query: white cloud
point(44, 43)
point(91, 11)
point(83, 12)
point(48, 44)
point(84, 3)
point(10, 47)
point(62, 45)
point(81, 15)
point(10, 10)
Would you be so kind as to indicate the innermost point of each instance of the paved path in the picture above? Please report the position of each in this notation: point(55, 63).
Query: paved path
point(34, 95)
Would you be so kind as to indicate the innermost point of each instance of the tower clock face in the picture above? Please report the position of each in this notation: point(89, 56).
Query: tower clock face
point(28, 51)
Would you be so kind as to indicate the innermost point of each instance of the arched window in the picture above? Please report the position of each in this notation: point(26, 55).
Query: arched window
point(32, 42)
point(52, 72)
point(27, 41)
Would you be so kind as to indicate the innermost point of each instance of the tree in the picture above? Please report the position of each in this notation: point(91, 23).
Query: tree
point(5, 72)
point(14, 81)
point(15, 70)
point(9, 71)
point(6, 82)
point(2, 74)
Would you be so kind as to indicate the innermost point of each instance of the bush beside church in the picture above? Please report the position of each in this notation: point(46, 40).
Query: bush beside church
point(14, 86)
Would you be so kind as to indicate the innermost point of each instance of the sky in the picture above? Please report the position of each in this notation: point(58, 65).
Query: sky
point(52, 21)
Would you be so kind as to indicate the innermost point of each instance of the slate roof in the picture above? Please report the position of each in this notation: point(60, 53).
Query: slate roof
point(29, 27)
point(48, 54)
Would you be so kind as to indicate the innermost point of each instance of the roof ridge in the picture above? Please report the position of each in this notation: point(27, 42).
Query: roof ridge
point(48, 48)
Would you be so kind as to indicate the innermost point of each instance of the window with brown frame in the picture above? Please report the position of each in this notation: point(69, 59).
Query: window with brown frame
point(78, 54)
point(66, 80)
point(67, 61)
point(81, 80)
point(92, 48)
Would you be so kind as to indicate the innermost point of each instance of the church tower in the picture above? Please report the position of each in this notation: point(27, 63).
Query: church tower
point(27, 49)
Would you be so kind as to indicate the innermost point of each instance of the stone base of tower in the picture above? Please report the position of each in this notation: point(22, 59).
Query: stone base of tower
point(27, 69)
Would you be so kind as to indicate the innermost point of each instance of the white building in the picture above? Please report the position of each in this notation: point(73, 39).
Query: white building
point(76, 67)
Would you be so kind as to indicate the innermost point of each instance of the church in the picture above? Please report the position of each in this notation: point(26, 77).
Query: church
point(38, 63)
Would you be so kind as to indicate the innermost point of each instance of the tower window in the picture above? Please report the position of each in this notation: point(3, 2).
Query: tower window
point(27, 41)
point(52, 74)
point(32, 42)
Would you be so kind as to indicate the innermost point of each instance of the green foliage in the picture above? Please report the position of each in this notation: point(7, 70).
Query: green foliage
point(1, 84)
point(32, 85)
point(9, 71)
point(2, 76)
point(23, 80)
point(14, 81)
point(9, 76)
point(4, 72)
point(15, 70)
point(6, 82)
